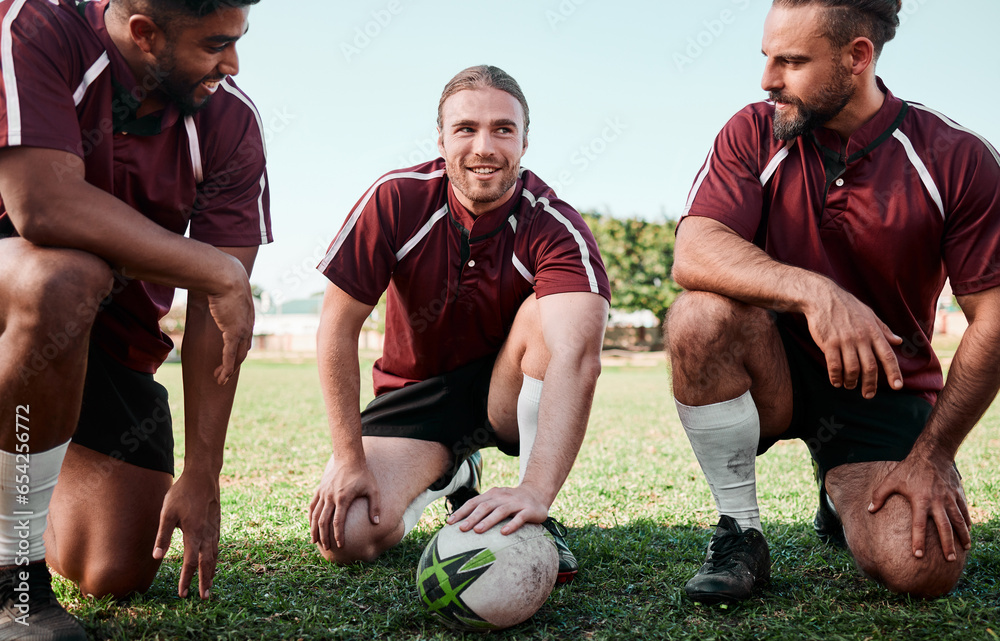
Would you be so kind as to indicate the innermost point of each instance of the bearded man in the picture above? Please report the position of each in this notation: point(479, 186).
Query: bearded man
point(814, 247)
point(121, 130)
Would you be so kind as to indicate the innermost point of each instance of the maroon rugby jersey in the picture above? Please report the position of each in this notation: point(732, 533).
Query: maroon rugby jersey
point(912, 199)
point(65, 86)
point(456, 282)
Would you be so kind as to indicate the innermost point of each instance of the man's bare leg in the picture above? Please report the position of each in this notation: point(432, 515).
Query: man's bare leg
point(403, 468)
point(881, 542)
point(103, 522)
point(48, 301)
point(732, 386)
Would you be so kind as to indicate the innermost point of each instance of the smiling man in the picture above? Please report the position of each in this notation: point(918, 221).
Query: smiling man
point(121, 129)
point(497, 303)
point(815, 244)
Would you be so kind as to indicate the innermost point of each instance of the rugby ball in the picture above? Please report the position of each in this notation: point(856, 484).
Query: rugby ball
point(487, 581)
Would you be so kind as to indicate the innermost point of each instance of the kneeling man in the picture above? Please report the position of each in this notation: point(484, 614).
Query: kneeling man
point(860, 204)
point(496, 309)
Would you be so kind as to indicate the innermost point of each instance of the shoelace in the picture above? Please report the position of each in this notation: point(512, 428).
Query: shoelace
point(554, 527)
point(725, 548)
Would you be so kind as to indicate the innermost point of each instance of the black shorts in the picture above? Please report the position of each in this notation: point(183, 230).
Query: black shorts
point(450, 409)
point(125, 415)
point(841, 426)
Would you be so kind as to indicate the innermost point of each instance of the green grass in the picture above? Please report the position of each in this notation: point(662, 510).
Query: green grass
point(638, 507)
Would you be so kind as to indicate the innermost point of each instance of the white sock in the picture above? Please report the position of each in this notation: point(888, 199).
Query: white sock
point(26, 483)
point(527, 419)
point(724, 437)
point(413, 511)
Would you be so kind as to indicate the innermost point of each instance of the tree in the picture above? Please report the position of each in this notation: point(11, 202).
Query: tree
point(638, 255)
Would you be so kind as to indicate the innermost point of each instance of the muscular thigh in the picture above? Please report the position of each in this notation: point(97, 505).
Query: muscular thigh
point(103, 512)
point(29, 273)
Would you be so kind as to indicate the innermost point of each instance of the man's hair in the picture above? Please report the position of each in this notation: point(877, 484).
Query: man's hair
point(846, 20)
point(481, 77)
point(171, 13)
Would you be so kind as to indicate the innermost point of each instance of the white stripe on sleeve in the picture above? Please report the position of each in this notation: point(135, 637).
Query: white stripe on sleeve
point(925, 176)
point(574, 232)
point(352, 220)
point(10, 75)
point(90, 76)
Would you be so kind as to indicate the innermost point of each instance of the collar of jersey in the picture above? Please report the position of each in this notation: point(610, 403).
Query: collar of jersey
point(867, 138)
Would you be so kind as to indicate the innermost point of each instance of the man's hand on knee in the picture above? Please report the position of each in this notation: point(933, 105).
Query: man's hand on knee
point(481, 513)
point(340, 486)
point(934, 491)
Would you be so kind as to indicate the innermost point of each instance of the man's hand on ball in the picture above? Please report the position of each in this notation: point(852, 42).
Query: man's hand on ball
point(482, 512)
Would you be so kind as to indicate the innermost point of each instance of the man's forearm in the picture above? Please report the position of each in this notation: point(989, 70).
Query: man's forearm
point(68, 212)
point(340, 381)
point(708, 256)
point(567, 396)
point(973, 381)
point(207, 405)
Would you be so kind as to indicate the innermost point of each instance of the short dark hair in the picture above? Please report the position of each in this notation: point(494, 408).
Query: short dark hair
point(846, 20)
point(167, 13)
point(480, 77)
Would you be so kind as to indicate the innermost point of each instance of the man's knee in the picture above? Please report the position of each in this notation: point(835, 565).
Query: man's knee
point(58, 292)
point(706, 320)
point(926, 578)
point(118, 576)
point(363, 540)
point(360, 548)
point(888, 559)
point(705, 329)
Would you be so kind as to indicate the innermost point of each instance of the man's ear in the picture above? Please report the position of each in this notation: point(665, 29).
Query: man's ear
point(441, 143)
point(145, 33)
point(862, 52)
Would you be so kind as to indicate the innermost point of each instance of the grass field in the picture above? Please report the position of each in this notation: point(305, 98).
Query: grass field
point(638, 507)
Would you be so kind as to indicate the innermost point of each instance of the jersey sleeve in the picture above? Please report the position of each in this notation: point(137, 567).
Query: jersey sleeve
point(972, 229)
point(728, 187)
point(233, 204)
point(37, 106)
point(565, 255)
point(362, 257)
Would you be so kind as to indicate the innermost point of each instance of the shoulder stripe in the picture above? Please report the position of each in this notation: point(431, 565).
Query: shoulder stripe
point(954, 125)
point(225, 84)
point(194, 147)
point(574, 232)
point(90, 76)
point(698, 182)
point(777, 160)
point(353, 218)
point(9, 75)
point(522, 270)
point(925, 176)
point(422, 232)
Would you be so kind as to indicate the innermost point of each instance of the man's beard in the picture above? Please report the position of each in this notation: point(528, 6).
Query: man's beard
point(831, 100)
point(178, 90)
point(479, 193)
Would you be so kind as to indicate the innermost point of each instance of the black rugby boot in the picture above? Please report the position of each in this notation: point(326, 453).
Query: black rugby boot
point(737, 562)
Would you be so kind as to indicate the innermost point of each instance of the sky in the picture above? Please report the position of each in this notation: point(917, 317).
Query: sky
point(625, 97)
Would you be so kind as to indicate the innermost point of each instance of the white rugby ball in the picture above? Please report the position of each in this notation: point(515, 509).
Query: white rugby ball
point(487, 581)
